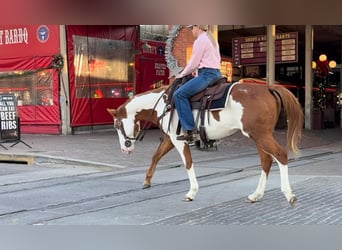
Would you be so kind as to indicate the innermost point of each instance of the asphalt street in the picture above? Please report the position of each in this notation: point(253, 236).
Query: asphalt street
point(85, 180)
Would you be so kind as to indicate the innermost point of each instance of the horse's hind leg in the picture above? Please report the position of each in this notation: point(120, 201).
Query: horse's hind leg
point(285, 183)
point(266, 163)
point(164, 147)
point(270, 147)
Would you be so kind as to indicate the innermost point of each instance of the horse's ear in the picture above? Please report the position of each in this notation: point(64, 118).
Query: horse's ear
point(111, 111)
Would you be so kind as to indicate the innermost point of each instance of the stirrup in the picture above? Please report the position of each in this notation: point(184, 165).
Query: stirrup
point(167, 108)
point(186, 136)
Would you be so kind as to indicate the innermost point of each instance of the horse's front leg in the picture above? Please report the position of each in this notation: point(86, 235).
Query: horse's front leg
point(185, 153)
point(193, 184)
point(164, 147)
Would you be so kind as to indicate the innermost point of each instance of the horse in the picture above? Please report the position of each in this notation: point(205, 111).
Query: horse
point(251, 108)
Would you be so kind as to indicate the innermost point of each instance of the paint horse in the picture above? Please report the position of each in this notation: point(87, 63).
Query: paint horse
point(252, 109)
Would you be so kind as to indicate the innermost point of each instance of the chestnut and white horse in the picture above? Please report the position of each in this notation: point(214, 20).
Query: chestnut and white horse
point(251, 108)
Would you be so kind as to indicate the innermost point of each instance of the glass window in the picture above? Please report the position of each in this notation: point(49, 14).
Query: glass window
point(104, 68)
point(29, 88)
point(154, 32)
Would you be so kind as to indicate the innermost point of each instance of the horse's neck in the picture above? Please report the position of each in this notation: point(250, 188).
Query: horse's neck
point(145, 102)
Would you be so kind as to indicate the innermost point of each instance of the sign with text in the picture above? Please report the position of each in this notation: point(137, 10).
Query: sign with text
point(29, 40)
point(252, 50)
point(9, 125)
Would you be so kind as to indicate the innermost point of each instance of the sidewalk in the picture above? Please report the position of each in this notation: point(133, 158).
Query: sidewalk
point(102, 148)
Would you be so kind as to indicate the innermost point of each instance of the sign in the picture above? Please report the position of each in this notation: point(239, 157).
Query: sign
point(153, 48)
point(9, 125)
point(252, 50)
point(28, 40)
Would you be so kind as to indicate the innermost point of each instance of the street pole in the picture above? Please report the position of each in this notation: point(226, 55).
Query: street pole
point(340, 88)
point(270, 63)
point(214, 30)
point(64, 83)
point(308, 106)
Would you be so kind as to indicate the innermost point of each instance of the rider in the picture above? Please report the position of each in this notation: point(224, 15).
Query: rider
point(206, 59)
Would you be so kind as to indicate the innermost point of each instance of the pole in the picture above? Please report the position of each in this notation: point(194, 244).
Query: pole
point(214, 30)
point(308, 76)
point(64, 82)
point(341, 88)
point(270, 63)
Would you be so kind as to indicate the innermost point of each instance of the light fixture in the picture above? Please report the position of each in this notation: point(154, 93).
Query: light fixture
point(323, 57)
point(332, 64)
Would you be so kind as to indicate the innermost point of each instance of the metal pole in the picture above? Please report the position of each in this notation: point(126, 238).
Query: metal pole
point(308, 76)
point(270, 61)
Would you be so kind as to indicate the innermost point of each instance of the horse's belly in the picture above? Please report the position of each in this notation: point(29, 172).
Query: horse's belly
point(216, 133)
point(225, 122)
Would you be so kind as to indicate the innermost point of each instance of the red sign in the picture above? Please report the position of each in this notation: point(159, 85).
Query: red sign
point(28, 40)
point(252, 50)
point(153, 49)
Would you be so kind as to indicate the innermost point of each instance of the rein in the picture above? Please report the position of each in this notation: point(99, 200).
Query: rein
point(147, 125)
point(141, 134)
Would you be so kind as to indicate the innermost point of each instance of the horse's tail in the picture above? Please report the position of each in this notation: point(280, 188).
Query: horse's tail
point(294, 114)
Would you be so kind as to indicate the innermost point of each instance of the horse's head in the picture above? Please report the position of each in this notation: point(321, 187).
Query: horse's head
point(128, 129)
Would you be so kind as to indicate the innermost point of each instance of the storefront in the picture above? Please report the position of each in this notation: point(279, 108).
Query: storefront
point(101, 64)
point(28, 54)
point(105, 65)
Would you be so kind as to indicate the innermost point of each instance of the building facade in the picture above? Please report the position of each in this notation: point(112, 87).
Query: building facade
point(67, 76)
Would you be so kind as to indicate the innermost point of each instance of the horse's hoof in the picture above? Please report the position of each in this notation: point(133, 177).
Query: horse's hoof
point(293, 201)
point(146, 186)
point(250, 201)
point(186, 199)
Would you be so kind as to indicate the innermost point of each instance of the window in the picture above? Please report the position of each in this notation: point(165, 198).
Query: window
point(104, 68)
point(29, 88)
point(154, 32)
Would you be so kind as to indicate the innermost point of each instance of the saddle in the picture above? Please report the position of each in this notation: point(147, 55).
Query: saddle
point(202, 101)
point(215, 91)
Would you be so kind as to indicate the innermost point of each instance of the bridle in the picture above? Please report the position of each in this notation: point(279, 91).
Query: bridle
point(119, 126)
point(128, 140)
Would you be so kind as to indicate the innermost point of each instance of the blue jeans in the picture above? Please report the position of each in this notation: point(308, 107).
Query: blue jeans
point(189, 89)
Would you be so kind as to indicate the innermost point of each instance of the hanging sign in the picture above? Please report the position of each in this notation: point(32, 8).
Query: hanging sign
point(9, 125)
point(252, 50)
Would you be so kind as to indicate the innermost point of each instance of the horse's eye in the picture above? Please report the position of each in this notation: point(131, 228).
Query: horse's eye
point(117, 124)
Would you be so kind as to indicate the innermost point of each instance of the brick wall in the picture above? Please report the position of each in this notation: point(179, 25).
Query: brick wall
point(182, 46)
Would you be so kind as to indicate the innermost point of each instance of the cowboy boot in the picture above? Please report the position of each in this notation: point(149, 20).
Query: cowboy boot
point(187, 136)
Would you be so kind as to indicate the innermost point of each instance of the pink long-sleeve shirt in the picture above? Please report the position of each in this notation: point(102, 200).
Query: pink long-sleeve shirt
point(204, 55)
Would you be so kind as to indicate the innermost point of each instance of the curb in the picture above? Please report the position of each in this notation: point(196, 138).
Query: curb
point(32, 159)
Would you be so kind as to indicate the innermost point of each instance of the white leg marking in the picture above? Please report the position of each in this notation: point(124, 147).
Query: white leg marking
point(285, 183)
point(260, 190)
point(193, 184)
